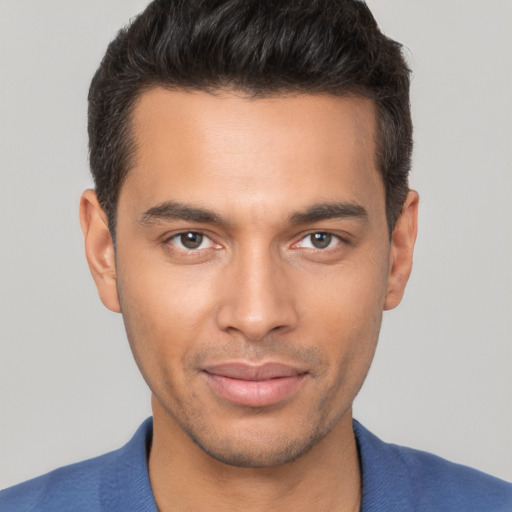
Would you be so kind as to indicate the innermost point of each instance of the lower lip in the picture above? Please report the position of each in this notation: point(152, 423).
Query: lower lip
point(255, 393)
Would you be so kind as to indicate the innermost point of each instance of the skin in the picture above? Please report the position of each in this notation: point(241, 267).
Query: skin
point(256, 290)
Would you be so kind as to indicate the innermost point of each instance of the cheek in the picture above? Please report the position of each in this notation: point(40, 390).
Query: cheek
point(344, 312)
point(348, 297)
point(164, 312)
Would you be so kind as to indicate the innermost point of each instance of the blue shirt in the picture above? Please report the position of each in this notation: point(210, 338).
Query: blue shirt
point(394, 479)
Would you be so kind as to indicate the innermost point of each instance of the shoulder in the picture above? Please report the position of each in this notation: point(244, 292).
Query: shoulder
point(425, 482)
point(75, 486)
point(93, 485)
point(440, 483)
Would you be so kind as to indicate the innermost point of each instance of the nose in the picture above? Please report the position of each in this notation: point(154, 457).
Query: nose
point(257, 296)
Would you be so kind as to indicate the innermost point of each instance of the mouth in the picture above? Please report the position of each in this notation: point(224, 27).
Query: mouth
point(254, 386)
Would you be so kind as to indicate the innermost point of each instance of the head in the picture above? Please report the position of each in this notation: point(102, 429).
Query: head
point(251, 160)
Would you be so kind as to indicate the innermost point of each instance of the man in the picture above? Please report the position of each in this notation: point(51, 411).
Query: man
point(252, 220)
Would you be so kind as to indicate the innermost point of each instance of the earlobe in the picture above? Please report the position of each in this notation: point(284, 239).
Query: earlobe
point(402, 248)
point(99, 249)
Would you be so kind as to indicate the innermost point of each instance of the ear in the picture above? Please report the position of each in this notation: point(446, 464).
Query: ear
point(402, 248)
point(99, 249)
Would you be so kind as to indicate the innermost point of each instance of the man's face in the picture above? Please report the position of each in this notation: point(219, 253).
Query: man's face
point(253, 265)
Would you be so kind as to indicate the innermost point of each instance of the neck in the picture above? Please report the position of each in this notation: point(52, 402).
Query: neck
point(327, 478)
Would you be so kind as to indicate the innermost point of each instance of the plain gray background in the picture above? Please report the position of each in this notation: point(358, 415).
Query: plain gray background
point(442, 377)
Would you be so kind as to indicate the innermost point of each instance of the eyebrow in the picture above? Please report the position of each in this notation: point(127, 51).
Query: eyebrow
point(328, 211)
point(172, 210)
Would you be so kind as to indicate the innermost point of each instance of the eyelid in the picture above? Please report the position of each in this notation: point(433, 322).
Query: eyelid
point(175, 235)
point(340, 238)
point(168, 240)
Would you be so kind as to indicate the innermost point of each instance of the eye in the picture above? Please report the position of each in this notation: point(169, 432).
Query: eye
point(319, 240)
point(190, 241)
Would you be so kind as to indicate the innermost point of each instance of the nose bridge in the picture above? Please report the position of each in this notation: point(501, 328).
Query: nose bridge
point(257, 298)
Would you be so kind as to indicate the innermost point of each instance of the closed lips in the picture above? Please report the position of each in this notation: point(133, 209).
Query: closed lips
point(254, 386)
point(250, 372)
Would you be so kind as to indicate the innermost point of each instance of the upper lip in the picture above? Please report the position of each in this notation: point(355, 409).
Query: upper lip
point(244, 371)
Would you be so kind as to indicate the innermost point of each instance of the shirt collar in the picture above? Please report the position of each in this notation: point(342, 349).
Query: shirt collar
point(125, 480)
point(385, 480)
point(126, 486)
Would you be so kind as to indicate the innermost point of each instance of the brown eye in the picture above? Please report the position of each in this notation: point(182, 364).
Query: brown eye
point(321, 240)
point(191, 240)
point(191, 243)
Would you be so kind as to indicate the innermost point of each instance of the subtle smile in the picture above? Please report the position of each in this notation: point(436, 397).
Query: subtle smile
point(254, 386)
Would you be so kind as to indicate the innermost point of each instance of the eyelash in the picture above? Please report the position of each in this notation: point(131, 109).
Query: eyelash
point(331, 237)
point(177, 236)
point(188, 250)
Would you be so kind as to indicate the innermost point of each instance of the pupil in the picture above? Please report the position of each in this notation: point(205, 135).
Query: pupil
point(191, 240)
point(321, 240)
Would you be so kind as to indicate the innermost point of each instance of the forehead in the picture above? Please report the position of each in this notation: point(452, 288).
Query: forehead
point(202, 148)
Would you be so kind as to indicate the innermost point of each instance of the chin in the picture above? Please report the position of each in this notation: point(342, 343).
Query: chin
point(257, 456)
point(256, 448)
